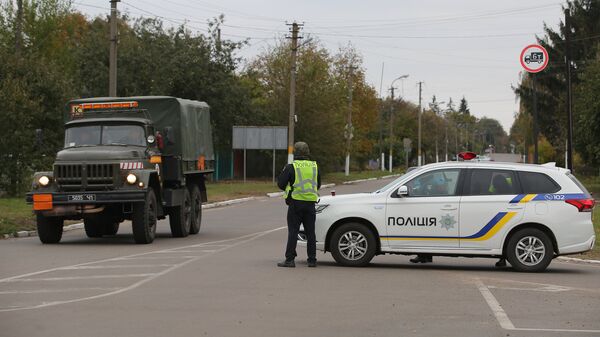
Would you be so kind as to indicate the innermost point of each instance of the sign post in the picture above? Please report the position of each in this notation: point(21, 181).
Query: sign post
point(534, 58)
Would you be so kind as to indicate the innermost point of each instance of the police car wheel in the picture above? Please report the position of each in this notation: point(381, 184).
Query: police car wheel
point(353, 245)
point(530, 250)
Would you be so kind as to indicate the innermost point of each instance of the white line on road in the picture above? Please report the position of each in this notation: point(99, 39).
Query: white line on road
point(240, 240)
point(503, 319)
point(501, 316)
point(46, 291)
point(70, 278)
point(118, 266)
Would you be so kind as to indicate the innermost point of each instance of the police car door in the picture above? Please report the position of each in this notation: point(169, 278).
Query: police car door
point(485, 209)
point(428, 215)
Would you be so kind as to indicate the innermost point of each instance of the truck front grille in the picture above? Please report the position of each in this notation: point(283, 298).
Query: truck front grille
point(86, 177)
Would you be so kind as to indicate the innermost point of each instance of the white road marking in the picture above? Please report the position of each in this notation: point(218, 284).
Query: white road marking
point(501, 316)
point(69, 278)
point(503, 319)
point(117, 266)
point(240, 241)
point(543, 289)
point(47, 291)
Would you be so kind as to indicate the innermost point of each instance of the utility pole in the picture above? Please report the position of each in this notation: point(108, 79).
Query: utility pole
point(569, 156)
point(381, 153)
point(112, 72)
point(349, 127)
point(391, 128)
point(19, 29)
point(292, 117)
point(419, 160)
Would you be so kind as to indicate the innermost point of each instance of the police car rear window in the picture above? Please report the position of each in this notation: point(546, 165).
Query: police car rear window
point(534, 182)
point(578, 183)
point(491, 182)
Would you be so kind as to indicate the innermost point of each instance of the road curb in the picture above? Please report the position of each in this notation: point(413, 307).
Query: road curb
point(574, 259)
point(227, 202)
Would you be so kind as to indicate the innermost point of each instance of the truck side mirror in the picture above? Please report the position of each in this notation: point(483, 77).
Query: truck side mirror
point(169, 135)
point(39, 138)
point(403, 191)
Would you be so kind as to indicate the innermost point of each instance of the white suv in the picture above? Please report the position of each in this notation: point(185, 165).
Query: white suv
point(528, 214)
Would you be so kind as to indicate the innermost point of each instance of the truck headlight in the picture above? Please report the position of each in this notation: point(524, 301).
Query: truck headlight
point(131, 178)
point(44, 181)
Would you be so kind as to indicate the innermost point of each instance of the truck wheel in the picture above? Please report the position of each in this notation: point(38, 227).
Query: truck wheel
point(49, 229)
point(111, 228)
point(180, 217)
point(144, 219)
point(352, 245)
point(196, 210)
point(529, 250)
point(94, 227)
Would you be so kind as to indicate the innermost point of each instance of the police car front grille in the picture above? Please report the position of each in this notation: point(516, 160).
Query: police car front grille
point(86, 177)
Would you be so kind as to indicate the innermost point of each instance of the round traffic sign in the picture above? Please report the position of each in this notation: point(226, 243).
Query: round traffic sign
point(534, 58)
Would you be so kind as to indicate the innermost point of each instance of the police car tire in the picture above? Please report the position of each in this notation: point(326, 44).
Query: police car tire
point(349, 228)
point(511, 254)
point(196, 209)
point(144, 219)
point(49, 229)
point(94, 227)
point(180, 217)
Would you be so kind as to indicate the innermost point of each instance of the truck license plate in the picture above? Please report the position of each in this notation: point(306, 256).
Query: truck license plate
point(82, 197)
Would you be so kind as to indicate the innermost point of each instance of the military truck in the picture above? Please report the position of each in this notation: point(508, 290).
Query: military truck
point(128, 158)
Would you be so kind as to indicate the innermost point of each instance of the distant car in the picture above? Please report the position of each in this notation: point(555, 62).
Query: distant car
point(528, 214)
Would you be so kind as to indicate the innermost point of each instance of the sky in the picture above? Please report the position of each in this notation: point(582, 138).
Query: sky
point(457, 48)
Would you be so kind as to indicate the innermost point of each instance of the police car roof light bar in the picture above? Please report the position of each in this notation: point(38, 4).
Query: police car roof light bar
point(467, 155)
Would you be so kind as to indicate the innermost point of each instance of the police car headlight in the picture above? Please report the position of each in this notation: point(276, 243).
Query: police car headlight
point(44, 180)
point(131, 178)
point(320, 208)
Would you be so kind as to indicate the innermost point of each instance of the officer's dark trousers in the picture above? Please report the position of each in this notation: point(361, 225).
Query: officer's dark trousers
point(301, 212)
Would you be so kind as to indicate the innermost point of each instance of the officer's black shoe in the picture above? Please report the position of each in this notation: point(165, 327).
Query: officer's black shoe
point(501, 263)
point(422, 259)
point(287, 263)
point(312, 264)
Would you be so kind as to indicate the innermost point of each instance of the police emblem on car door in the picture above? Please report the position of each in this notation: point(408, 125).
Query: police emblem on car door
point(425, 212)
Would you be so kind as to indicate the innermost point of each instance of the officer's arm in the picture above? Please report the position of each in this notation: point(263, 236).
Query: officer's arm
point(318, 179)
point(285, 177)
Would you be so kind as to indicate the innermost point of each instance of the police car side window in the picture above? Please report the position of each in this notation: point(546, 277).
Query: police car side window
point(491, 182)
point(534, 182)
point(434, 184)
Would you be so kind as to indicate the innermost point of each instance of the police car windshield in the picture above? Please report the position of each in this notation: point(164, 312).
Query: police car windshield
point(91, 135)
point(395, 181)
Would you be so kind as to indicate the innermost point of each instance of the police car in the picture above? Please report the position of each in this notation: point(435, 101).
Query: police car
point(527, 214)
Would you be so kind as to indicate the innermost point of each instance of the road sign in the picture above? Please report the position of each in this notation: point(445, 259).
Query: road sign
point(534, 58)
point(407, 144)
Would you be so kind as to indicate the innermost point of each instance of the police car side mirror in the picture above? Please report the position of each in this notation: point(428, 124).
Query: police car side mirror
point(403, 191)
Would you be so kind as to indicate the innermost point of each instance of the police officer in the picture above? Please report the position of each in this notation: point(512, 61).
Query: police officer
point(300, 181)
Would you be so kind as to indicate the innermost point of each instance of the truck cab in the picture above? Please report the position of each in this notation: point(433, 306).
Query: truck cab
point(139, 158)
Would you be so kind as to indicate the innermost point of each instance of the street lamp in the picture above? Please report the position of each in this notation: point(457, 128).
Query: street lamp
point(392, 119)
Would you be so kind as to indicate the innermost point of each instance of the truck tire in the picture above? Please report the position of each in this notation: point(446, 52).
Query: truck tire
point(111, 228)
point(180, 217)
point(144, 219)
point(353, 245)
point(196, 209)
point(49, 229)
point(94, 227)
point(529, 250)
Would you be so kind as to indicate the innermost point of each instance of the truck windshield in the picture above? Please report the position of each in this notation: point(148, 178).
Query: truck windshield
point(90, 135)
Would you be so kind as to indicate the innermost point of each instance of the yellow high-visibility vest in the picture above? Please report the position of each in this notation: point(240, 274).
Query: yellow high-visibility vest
point(305, 181)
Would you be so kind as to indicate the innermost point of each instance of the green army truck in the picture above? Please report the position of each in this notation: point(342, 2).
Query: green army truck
point(128, 158)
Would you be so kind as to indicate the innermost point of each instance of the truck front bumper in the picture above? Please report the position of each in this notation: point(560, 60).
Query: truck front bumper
point(85, 197)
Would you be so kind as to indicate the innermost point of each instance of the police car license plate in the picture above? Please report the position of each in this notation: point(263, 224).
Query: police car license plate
point(82, 197)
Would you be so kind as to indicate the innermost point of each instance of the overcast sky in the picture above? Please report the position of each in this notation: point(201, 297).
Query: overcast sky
point(458, 48)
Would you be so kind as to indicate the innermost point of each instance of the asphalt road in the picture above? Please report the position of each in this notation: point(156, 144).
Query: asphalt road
point(224, 282)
